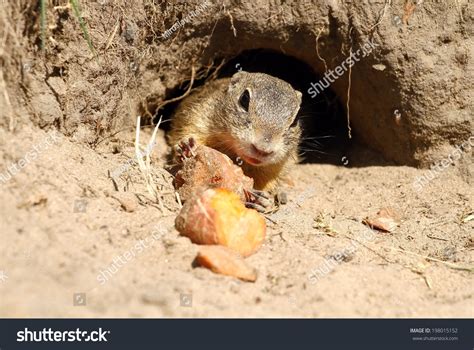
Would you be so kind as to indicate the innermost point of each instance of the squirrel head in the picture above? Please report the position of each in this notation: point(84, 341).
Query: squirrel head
point(264, 126)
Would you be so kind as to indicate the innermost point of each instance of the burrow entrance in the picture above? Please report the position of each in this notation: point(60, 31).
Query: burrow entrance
point(325, 137)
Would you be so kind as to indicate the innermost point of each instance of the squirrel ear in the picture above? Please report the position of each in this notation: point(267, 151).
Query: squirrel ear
point(236, 78)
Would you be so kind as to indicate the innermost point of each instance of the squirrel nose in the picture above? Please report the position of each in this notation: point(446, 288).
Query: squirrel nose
point(261, 152)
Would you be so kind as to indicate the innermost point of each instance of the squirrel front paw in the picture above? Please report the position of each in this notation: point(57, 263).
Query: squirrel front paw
point(262, 201)
point(185, 149)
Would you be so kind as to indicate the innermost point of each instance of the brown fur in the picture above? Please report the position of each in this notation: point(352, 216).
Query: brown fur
point(214, 116)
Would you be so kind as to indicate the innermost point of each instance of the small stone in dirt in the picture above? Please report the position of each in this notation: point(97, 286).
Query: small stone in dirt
point(449, 254)
point(386, 220)
point(282, 198)
point(381, 67)
point(130, 32)
point(470, 243)
point(128, 201)
point(344, 256)
point(33, 200)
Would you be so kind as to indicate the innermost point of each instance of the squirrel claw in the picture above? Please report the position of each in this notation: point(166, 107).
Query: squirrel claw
point(257, 207)
point(260, 194)
point(185, 149)
point(259, 200)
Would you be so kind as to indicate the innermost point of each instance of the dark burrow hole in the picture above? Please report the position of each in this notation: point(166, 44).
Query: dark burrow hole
point(323, 118)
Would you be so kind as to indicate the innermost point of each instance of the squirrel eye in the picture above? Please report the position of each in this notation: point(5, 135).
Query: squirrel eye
point(295, 122)
point(244, 100)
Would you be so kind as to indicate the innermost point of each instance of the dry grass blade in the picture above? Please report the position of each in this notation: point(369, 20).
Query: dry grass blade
point(320, 224)
point(9, 109)
point(43, 23)
point(448, 264)
point(112, 35)
point(467, 218)
point(77, 12)
point(144, 166)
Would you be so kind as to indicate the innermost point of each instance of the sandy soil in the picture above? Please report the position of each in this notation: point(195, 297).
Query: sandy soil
point(74, 243)
point(65, 230)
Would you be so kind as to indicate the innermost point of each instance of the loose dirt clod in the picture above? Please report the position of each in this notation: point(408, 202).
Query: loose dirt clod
point(128, 201)
point(217, 216)
point(225, 261)
point(210, 169)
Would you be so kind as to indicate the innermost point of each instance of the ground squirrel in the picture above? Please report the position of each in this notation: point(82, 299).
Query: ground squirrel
point(251, 117)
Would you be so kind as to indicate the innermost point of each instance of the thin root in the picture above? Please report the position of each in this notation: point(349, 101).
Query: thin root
point(349, 129)
point(317, 51)
point(188, 91)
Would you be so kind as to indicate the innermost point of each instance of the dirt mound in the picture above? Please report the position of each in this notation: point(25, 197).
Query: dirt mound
point(409, 97)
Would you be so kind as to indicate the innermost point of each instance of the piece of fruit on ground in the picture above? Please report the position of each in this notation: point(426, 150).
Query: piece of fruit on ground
point(218, 216)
